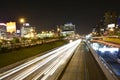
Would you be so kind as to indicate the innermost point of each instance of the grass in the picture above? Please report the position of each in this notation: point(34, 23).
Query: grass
point(23, 53)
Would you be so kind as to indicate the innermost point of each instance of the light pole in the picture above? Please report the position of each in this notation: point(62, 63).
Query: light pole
point(22, 21)
point(58, 31)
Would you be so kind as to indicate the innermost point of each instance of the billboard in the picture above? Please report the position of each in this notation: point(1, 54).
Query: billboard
point(111, 25)
point(2, 24)
point(11, 27)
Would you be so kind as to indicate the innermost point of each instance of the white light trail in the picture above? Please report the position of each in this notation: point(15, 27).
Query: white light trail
point(44, 59)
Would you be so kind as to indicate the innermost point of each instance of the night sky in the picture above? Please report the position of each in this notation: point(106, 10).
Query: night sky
point(47, 14)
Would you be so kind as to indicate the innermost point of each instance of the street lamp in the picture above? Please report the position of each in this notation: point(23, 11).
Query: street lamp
point(22, 20)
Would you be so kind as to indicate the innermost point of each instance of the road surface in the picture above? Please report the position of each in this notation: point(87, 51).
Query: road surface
point(43, 67)
point(82, 66)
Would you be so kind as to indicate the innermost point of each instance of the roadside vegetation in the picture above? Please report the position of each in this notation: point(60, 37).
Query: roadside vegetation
point(113, 40)
point(14, 55)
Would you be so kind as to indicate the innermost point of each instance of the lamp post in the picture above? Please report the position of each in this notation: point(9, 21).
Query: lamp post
point(22, 21)
point(58, 31)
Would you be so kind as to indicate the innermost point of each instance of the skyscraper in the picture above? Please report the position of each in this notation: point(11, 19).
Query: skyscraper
point(110, 17)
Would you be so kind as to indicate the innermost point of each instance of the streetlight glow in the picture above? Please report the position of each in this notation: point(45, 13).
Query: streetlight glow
point(22, 20)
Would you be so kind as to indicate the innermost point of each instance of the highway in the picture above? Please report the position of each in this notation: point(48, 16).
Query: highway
point(73, 61)
point(82, 66)
point(48, 66)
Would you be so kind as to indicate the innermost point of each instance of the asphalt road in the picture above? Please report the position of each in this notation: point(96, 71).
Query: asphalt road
point(82, 66)
point(45, 67)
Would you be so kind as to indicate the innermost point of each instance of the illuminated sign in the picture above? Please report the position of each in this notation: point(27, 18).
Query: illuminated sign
point(111, 25)
point(18, 31)
point(11, 27)
point(2, 24)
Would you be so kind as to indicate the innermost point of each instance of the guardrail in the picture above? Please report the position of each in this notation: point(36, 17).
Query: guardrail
point(107, 71)
point(107, 43)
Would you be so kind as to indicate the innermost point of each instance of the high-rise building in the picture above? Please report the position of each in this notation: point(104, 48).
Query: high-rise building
point(110, 17)
point(68, 29)
point(28, 31)
point(3, 30)
point(119, 21)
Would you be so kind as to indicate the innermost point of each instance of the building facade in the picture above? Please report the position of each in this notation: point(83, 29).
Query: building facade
point(3, 31)
point(28, 31)
point(68, 29)
point(110, 17)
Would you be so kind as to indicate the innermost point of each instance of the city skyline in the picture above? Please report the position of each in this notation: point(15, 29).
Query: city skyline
point(46, 15)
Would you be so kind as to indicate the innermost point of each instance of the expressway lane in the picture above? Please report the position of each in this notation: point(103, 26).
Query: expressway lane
point(75, 69)
point(43, 66)
point(82, 66)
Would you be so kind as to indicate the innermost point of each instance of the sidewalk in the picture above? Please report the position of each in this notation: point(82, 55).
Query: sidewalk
point(107, 43)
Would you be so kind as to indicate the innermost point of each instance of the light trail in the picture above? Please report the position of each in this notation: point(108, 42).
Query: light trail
point(59, 54)
point(12, 71)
